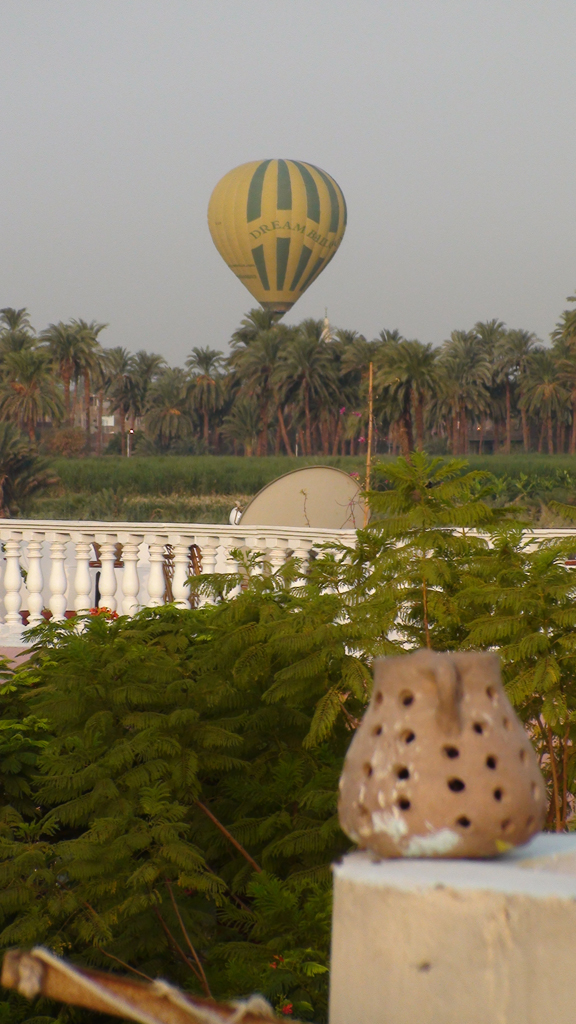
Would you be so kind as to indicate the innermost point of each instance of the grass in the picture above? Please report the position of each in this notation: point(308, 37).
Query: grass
point(204, 488)
point(185, 474)
point(109, 505)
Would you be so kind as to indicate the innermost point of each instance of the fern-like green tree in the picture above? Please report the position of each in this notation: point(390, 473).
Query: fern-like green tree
point(171, 808)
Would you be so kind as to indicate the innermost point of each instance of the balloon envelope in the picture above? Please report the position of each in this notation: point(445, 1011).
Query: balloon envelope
point(277, 224)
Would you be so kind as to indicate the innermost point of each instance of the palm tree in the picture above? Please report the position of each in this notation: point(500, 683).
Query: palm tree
point(406, 374)
point(121, 390)
point(254, 322)
point(512, 355)
point(564, 355)
point(255, 367)
point(205, 393)
point(28, 391)
point(544, 392)
point(168, 416)
point(465, 372)
point(64, 344)
point(243, 424)
point(87, 360)
point(22, 473)
point(147, 367)
point(16, 331)
point(305, 372)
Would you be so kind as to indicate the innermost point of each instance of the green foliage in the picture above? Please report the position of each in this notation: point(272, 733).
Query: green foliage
point(180, 813)
point(23, 474)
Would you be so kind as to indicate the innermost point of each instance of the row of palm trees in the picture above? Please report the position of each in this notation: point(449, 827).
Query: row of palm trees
point(297, 389)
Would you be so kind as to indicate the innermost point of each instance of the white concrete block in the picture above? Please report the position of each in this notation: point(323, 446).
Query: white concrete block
point(456, 941)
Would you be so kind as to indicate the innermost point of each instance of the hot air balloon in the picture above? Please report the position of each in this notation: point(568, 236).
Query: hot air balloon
point(277, 224)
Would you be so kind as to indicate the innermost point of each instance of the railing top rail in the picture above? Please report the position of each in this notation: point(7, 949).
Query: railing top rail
point(222, 530)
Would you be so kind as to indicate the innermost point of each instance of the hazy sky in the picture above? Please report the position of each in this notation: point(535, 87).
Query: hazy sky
point(449, 125)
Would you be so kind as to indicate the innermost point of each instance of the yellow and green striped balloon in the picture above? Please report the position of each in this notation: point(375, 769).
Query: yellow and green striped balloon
point(277, 224)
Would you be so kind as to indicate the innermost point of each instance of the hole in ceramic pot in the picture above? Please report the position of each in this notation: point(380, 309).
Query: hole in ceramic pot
point(464, 822)
point(498, 794)
point(478, 727)
point(456, 785)
point(402, 772)
point(452, 752)
point(529, 822)
point(505, 824)
point(522, 756)
point(406, 698)
point(378, 730)
point(534, 791)
point(408, 736)
point(490, 692)
point(425, 966)
point(506, 723)
point(490, 761)
point(363, 811)
point(379, 697)
point(368, 769)
point(404, 804)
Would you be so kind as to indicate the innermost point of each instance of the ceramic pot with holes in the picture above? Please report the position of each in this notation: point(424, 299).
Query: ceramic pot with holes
point(440, 765)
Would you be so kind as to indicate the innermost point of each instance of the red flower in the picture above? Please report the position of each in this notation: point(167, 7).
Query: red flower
point(287, 1008)
point(105, 612)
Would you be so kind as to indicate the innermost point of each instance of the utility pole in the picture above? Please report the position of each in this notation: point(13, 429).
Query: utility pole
point(369, 445)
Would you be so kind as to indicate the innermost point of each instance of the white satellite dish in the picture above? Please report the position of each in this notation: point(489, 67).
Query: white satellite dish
point(317, 496)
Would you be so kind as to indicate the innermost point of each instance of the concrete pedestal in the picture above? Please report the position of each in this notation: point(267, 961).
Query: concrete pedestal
point(456, 941)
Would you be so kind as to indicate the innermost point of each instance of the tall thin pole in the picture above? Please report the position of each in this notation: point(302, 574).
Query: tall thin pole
point(369, 446)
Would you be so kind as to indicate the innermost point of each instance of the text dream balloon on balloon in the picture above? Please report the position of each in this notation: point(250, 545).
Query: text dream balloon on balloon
point(277, 224)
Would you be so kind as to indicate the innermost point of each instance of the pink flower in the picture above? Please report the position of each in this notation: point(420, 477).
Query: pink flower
point(287, 1008)
point(342, 410)
point(361, 439)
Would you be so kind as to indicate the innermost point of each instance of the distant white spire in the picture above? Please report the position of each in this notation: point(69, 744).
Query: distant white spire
point(327, 330)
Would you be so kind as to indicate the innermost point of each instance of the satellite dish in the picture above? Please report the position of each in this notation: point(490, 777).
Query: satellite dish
point(316, 496)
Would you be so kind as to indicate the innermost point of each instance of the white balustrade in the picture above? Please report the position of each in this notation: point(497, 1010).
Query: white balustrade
point(35, 579)
point(108, 584)
point(301, 552)
point(82, 579)
point(62, 573)
point(279, 548)
point(156, 579)
point(130, 581)
point(209, 551)
point(13, 580)
point(180, 585)
point(58, 581)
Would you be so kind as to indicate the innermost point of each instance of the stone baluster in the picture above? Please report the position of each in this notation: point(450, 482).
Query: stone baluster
point(35, 579)
point(57, 582)
point(258, 545)
point(108, 573)
point(209, 552)
point(13, 580)
point(130, 580)
point(156, 581)
point(278, 547)
point(180, 586)
point(301, 550)
point(233, 542)
point(82, 580)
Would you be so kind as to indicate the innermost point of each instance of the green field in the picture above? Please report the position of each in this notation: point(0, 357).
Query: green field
point(204, 488)
point(186, 474)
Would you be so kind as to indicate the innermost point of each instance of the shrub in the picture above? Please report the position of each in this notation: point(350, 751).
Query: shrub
point(67, 442)
point(186, 762)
